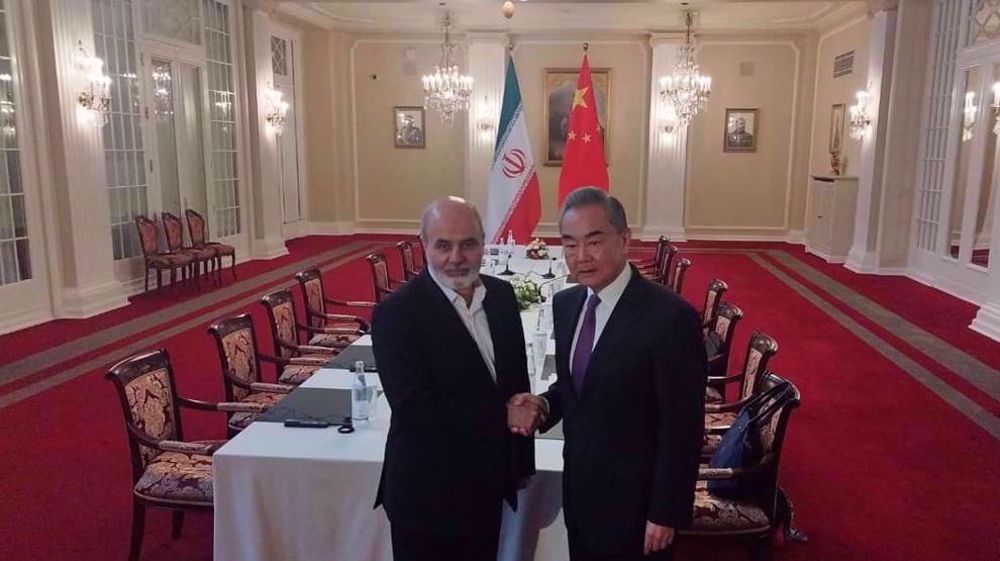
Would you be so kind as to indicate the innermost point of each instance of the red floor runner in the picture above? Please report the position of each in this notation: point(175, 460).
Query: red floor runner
point(878, 466)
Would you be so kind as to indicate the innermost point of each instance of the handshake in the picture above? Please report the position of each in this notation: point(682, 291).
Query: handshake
point(525, 413)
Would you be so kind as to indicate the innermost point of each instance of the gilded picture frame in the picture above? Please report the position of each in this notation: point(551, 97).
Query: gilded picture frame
point(560, 85)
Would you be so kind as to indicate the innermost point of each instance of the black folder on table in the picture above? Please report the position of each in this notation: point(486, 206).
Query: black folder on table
point(312, 404)
point(347, 357)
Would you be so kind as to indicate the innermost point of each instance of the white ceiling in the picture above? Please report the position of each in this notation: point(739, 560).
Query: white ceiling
point(578, 15)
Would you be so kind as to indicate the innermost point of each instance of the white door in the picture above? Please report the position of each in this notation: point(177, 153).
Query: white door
point(283, 65)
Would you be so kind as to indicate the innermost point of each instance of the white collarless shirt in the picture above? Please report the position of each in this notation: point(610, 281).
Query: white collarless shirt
point(474, 318)
point(609, 296)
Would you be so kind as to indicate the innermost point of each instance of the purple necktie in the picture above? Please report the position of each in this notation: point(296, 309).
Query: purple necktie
point(585, 343)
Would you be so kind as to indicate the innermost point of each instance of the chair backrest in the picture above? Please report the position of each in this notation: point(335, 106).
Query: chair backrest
point(311, 283)
point(236, 340)
point(173, 229)
point(713, 297)
point(771, 436)
point(669, 252)
point(145, 385)
point(661, 248)
point(759, 352)
point(677, 275)
point(406, 255)
point(148, 236)
point(380, 275)
point(197, 229)
point(719, 341)
point(281, 312)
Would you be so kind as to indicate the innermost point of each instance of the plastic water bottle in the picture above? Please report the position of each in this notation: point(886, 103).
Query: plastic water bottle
point(361, 395)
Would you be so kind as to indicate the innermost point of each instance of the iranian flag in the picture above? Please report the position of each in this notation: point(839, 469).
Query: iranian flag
point(513, 198)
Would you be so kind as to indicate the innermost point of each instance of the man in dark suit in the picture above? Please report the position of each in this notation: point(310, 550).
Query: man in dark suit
point(629, 390)
point(450, 352)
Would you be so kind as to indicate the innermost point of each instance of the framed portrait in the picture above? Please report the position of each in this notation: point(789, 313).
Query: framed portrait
point(409, 127)
point(560, 85)
point(741, 130)
point(837, 116)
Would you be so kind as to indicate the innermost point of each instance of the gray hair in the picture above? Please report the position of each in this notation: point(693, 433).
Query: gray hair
point(434, 210)
point(587, 196)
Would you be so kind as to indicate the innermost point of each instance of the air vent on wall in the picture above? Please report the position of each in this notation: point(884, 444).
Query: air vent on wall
point(843, 64)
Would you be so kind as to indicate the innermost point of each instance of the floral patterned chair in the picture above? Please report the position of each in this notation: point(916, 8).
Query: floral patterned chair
point(719, 343)
point(381, 281)
point(648, 266)
point(713, 297)
point(756, 518)
point(202, 256)
point(410, 270)
point(236, 341)
point(198, 232)
point(155, 259)
point(719, 415)
point(167, 471)
point(316, 301)
point(303, 360)
point(676, 280)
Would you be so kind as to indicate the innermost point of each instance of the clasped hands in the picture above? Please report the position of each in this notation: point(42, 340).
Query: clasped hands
point(525, 413)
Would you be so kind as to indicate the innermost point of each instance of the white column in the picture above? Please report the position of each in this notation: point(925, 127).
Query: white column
point(863, 257)
point(267, 241)
point(666, 173)
point(71, 137)
point(486, 63)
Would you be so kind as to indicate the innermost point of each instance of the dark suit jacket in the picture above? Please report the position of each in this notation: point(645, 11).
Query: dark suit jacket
point(634, 434)
point(449, 458)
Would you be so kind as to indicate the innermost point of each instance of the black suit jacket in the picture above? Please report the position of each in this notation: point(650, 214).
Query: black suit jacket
point(633, 436)
point(449, 458)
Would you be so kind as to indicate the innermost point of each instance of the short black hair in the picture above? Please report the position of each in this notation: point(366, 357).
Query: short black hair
point(586, 196)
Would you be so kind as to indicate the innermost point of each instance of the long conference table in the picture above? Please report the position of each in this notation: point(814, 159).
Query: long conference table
point(305, 494)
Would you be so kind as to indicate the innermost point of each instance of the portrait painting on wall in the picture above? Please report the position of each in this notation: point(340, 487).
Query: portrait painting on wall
point(741, 130)
point(409, 123)
point(837, 115)
point(560, 86)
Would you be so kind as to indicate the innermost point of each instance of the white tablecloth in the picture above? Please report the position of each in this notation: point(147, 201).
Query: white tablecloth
point(296, 494)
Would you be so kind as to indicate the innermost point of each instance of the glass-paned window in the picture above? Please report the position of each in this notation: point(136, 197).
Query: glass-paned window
point(222, 117)
point(176, 19)
point(279, 56)
point(124, 158)
point(15, 260)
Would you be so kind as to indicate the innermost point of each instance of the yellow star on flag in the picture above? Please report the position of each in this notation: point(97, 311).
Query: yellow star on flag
point(571, 135)
point(586, 138)
point(578, 99)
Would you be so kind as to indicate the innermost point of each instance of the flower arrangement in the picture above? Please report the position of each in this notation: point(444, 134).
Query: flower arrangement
point(537, 249)
point(526, 292)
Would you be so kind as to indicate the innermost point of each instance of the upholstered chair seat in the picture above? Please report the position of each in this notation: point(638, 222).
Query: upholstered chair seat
point(180, 476)
point(198, 233)
point(295, 374)
point(713, 395)
point(716, 514)
point(242, 419)
point(170, 260)
point(334, 340)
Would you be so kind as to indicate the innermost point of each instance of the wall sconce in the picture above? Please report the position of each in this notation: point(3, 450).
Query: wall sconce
point(996, 108)
point(861, 119)
point(95, 99)
point(969, 116)
point(485, 121)
point(275, 117)
point(668, 122)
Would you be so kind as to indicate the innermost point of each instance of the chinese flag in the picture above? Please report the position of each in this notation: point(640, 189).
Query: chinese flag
point(583, 157)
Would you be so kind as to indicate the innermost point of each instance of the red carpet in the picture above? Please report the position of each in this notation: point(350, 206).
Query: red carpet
point(879, 467)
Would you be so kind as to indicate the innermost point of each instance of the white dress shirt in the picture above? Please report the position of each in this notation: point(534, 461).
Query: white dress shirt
point(609, 296)
point(474, 317)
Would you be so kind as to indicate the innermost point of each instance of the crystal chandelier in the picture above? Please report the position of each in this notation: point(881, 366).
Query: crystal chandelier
point(446, 90)
point(686, 89)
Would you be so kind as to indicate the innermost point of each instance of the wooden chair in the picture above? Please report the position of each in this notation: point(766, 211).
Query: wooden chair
point(203, 255)
point(236, 341)
point(155, 259)
point(650, 266)
point(713, 297)
point(410, 270)
point(676, 281)
point(303, 360)
point(756, 518)
point(167, 471)
point(662, 274)
point(198, 232)
point(316, 301)
point(382, 283)
point(719, 343)
point(760, 349)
